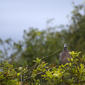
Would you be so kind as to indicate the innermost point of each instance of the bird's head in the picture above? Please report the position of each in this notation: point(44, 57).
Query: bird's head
point(65, 47)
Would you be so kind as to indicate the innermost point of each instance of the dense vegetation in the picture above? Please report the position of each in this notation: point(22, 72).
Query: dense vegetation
point(35, 60)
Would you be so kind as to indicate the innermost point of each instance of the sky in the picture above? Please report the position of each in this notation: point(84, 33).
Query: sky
point(17, 15)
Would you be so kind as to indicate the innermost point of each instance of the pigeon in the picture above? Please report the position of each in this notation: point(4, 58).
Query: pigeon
point(64, 55)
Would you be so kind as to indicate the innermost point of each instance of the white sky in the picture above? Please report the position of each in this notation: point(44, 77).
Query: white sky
point(17, 15)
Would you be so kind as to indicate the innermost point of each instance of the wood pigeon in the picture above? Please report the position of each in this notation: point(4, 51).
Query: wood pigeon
point(64, 55)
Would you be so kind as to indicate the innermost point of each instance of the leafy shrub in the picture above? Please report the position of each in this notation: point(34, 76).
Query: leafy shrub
point(72, 73)
point(42, 73)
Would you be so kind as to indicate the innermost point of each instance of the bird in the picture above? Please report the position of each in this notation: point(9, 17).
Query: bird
point(64, 55)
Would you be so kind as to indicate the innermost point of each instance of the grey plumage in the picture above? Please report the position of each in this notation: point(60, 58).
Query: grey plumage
point(63, 57)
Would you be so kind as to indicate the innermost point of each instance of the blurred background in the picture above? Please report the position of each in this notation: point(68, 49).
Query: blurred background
point(32, 36)
point(39, 28)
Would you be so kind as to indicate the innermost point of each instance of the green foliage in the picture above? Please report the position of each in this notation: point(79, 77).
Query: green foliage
point(71, 73)
point(12, 82)
point(7, 74)
point(76, 33)
point(35, 59)
point(41, 43)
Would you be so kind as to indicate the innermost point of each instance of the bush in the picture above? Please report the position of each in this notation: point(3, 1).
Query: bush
point(42, 73)
point(72, 73)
